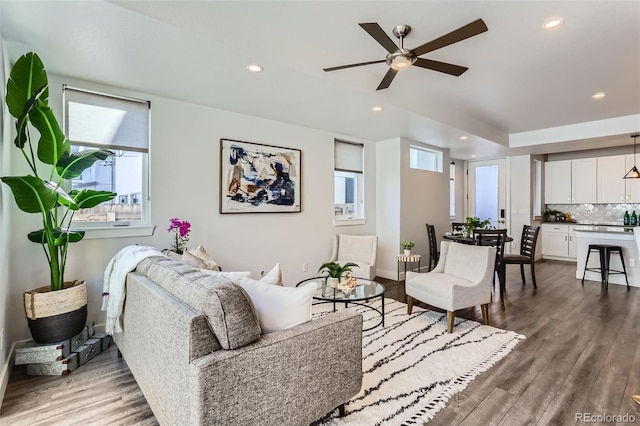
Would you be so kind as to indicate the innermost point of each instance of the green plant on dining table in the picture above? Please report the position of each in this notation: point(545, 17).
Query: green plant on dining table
point(43, 193)
point(473, 222)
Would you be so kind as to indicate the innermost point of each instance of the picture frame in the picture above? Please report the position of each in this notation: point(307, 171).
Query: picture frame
point(259, 178)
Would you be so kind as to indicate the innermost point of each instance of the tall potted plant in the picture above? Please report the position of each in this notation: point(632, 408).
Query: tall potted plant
point(59, 310)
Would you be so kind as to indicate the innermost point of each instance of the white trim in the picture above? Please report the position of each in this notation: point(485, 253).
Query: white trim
point(348, 222)
point(118, 232)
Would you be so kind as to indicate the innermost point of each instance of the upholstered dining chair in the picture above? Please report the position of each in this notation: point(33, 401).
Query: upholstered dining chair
point(361, 250)
point(527, 252)
point(434, 255)
point(494, 238)
point(461, 279)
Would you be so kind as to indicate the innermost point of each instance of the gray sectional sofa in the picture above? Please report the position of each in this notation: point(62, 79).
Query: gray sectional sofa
point(193, 344)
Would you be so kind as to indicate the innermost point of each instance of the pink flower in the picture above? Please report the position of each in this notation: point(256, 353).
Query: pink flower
point(181, 228)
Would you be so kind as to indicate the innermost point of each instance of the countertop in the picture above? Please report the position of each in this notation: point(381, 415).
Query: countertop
point(605, 228)
point(615, 227)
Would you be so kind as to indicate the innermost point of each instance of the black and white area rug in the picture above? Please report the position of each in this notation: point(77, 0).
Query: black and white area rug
point(412, 366)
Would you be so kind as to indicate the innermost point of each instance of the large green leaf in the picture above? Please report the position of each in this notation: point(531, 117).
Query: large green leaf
point(88, 198)
point(52, 144)
point(64, 199)
point(71, 165)
point(60, 237)
point(27, 77)
point(31, 194)
point(23, 120)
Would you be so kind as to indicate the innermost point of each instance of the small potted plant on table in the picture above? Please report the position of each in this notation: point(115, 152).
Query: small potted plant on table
point(407, 246)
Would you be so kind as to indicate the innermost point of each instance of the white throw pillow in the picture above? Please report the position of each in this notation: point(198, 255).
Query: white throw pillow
point(274, 276)
point(279, 308)
point(202, 254)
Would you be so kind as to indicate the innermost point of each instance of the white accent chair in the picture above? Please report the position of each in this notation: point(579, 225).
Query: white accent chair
point(361, 250)
point(462, 278)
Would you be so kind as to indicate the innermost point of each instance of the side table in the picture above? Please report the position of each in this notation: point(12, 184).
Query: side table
point(411, 259)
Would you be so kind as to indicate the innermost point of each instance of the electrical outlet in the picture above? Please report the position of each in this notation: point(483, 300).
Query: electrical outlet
point(632, 262)
point(305, 267)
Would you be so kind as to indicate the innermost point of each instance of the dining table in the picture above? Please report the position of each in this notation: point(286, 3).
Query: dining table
point(467, 239)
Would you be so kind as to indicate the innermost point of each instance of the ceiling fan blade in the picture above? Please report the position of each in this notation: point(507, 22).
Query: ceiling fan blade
point(380, 36)
point(341, 67)
point(456, 70)
point(474, 28)
point(388, 78)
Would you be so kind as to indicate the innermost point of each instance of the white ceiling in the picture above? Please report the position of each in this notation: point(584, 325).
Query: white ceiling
point(521, 78)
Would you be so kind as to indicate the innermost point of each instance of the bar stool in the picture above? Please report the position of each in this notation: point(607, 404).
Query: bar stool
point(605, 251)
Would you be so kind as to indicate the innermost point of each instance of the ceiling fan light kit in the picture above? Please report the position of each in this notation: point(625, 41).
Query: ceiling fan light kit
point(398, 58)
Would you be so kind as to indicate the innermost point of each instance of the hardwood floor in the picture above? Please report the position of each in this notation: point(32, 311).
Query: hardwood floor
point(581, 355)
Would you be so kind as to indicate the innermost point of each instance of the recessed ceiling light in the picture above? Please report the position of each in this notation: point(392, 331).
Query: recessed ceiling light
point(464, 138)
point(473, 156)
point(599, 95)
point(553, 23)
point(376, 108)
point(254, 68)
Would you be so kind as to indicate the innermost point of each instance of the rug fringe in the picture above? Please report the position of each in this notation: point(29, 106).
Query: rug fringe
point(461, 383)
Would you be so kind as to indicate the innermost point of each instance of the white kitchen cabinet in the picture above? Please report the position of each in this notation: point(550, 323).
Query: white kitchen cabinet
point(557, 182)
point(611, 186)
point(583, 181)
point(559, 241)
point(573, 242)
point(570, 181)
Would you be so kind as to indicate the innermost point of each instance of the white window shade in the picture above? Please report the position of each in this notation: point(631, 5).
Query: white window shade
point(348, 157)
point(105, 121)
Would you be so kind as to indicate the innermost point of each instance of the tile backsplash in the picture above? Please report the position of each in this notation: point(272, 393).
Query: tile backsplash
point(597, 213)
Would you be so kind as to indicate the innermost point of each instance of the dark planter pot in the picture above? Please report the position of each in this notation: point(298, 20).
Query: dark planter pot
point(60, 327)
point(54, 316)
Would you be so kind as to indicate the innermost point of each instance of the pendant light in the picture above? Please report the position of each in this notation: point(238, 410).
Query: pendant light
point(633, 173)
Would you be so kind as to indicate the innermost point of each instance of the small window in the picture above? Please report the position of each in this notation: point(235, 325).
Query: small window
point(95, 120)
point(425, 159)
point(537, 188)
point(452, 189)
point(348, 180)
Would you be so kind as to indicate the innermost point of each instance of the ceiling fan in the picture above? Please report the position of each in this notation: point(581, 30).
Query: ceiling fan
point(400, 58)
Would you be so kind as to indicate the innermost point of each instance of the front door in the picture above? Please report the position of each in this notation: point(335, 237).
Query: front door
point(487, 192)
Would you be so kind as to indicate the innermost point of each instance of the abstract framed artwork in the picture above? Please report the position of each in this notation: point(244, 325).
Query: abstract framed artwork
point(257, 178)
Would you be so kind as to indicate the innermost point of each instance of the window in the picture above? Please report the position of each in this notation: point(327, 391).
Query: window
point(425, 159)
point(537, 188)
point(348, 180)
point(95, 120)
point(452, 189)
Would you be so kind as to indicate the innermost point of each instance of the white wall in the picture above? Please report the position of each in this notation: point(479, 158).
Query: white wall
point(5, 200)
point(388, 206)
point(407, 200)
point(185, 183)
point(460, 179)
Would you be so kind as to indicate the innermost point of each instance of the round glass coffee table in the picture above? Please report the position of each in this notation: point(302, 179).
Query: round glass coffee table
point(365, 290)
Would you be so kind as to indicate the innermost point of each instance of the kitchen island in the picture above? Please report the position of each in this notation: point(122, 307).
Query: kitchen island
point(612, 235)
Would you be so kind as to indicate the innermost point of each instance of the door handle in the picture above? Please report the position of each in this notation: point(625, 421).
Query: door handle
point(565, 238)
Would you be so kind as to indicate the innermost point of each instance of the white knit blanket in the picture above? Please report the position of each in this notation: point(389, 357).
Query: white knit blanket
point(115, 275)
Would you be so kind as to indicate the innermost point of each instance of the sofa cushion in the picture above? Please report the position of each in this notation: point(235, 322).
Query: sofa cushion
point(279, 308)
point(227, 306)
